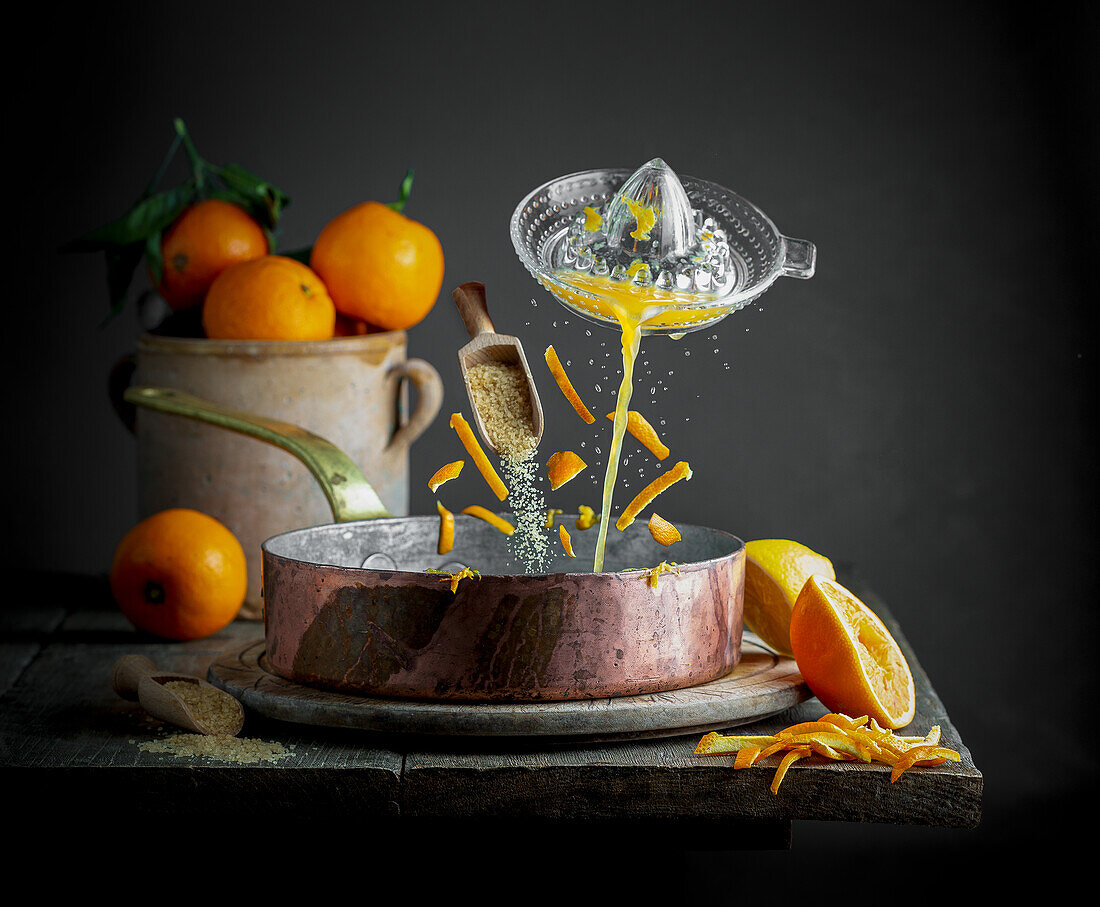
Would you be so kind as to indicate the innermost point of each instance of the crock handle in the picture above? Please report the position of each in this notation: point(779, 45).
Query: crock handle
point(429, 398)
point(349, 494)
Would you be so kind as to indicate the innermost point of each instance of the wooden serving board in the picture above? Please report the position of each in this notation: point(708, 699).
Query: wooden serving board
point(762, 684)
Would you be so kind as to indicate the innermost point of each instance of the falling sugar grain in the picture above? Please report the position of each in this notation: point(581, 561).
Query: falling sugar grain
point(504, 405)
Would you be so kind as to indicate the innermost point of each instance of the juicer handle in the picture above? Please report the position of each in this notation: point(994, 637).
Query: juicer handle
point(349, 494)
point(799, 258)
point(470, 299)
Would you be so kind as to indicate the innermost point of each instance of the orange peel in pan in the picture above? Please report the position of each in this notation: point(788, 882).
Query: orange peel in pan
point(566, 385)
point(446, 529)
point(483, 513)
point(473, 448)
point(566, 541)
point(836, 737)
point(445, 474)
point(662, 530)
point(644, 497)
point(637, 425)
point(563, 466)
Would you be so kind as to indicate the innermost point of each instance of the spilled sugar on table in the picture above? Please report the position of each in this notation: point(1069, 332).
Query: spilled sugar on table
point(67, 738)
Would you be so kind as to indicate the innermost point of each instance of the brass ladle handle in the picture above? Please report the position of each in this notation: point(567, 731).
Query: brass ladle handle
point(349, 494)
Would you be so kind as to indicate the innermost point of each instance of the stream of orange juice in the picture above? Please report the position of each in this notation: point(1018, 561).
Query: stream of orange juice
point(634, 308)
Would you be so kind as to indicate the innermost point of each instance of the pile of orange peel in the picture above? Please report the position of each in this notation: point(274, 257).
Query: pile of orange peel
point(832, 736)
point(562, 467)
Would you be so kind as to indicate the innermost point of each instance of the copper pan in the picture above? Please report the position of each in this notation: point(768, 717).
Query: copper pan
point(348, 605)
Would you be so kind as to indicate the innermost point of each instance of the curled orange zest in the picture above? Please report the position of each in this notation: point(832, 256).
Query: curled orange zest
point(566, 385)
point(637, 425)
point(566, 541)
point(446, 529)
point(445, 474)
point(473, 448)
point(483, 513)
point(662, 530)
point(922, 755)
point(563, 466)
point(644, 497)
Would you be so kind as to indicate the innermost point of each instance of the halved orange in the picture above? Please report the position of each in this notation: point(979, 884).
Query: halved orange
point(847, 656)
point(775, 572)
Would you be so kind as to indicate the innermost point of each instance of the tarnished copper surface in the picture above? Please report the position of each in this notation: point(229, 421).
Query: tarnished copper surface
point(500, 637)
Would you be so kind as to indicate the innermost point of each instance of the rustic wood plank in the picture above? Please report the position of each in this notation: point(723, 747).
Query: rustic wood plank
point(66, 737)
point(664, 779)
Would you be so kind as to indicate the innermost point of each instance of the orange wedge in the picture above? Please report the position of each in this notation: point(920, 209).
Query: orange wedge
point(566, 541)
point(662, 530)
point(566, 385)
point(473, 448)
point(563, 466)
point(637, 425)
point(775, 572)
point(847, 656)
point(445, 474)
point(491, 518)
point(644, 497)
point(446, 529)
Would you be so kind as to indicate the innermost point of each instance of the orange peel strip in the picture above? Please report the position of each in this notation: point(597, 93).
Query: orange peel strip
point(473, 448)
point(715, 744)
point(922, 755)
point(483, 513)
point(746, 756)
point(663, 532)
point(446, 529)
point(445, 474)
point(637, 425)
point(550, 514)
point(563, 466)
point(567, 543)
point(644, 497)
point(587, 517)
point(566, 385)
point(787, 761)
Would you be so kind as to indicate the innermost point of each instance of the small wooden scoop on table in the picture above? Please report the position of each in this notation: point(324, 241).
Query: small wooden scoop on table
point(136, 677)
point(488, 347)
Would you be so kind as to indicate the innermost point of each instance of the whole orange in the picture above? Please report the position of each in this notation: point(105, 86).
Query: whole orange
point(269, 298)
point(379, 265)
point(179, 574)
point(202, 242)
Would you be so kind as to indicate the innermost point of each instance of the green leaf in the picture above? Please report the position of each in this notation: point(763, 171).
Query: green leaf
point(406, 188)
point(154, 258)
point(266, 201)
point(153, 215)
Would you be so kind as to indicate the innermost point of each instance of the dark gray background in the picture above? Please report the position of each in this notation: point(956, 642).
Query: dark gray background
point(919, 408)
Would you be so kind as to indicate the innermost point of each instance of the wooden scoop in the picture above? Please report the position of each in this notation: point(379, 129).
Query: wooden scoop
point(487, 347)
point(136, 677)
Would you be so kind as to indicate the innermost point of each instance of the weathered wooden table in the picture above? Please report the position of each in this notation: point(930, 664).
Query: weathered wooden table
point(67, 738)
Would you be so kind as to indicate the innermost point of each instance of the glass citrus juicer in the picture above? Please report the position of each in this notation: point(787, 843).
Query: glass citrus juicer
point(678, 254)
point(649, 253)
